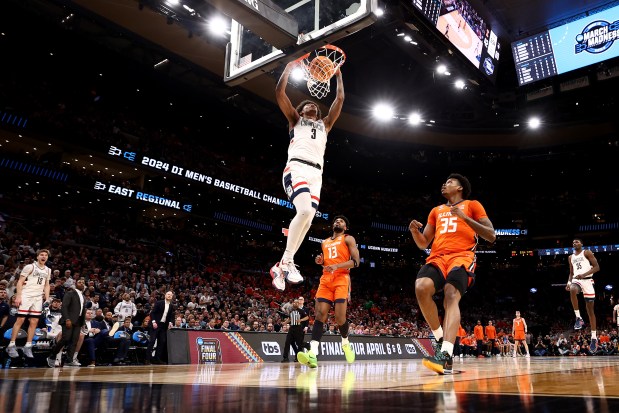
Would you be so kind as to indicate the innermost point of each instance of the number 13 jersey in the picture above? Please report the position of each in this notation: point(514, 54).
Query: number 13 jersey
point(452, 234)
point(335, 251)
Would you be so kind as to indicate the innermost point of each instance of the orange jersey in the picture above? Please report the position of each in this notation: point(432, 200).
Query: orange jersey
point(491, 332)
point(335, 251)
point(479, 332)
point(453, 235)
point(461, 332)
point(519, 324)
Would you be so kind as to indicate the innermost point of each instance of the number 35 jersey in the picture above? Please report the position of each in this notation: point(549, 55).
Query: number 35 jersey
point(308, 140)
point(452, 234)
point(335, 251)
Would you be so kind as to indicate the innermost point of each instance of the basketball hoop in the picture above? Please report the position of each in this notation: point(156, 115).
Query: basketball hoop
point(319, 67)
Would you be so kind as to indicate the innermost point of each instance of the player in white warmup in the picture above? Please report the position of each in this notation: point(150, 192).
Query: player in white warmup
point(302, 178)
point(583, 265)
point(32, 286)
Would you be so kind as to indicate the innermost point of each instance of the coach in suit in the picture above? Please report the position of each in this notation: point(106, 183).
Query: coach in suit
point(73, 314)
point(161, 317)
point(95, 333)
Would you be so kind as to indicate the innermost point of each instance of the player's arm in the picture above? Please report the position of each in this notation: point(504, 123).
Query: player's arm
point(595, 266)
point(336, 107)
point(524, 323)
point(320, 258)
point(483, 227)
point(26, 271)
point(46, 290)
point(422, 239)
point(282, 99)
point(569, 279)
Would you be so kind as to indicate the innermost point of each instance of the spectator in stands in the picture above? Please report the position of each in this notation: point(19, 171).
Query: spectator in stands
point(120, 336)
point(94, 336)
point(5, 309)
point(540, 348)
point(126, 308)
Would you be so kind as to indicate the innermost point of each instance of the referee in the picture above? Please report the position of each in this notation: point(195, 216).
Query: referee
point(295, 333)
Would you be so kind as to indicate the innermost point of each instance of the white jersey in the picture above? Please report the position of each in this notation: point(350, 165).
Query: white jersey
point(617, 313)
point(125, 309)
point(580, 264)
point(36, 278)
point(308, 140)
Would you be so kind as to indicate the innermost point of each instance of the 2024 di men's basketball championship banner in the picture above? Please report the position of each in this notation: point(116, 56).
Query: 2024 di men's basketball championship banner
point(214, 347)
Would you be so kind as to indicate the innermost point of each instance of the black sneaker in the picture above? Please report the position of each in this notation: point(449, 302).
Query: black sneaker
point(436, 345)
point(441, 363)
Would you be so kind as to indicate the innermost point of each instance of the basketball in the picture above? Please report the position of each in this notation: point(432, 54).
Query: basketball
point(321, 68)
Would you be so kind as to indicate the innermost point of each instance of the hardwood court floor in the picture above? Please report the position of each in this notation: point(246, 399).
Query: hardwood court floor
point(582, 384)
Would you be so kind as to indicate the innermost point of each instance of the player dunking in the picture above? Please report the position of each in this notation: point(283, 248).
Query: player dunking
point(583, 265)
point(339, 255)
point(32, 286)
point(454, 227)
point(519, 331)
point(302, 176)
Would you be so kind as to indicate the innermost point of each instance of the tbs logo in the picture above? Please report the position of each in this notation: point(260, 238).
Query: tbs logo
point(410, 349)
point(271, 348)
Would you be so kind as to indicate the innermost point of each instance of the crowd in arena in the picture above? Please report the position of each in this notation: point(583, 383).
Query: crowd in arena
point(218, 271)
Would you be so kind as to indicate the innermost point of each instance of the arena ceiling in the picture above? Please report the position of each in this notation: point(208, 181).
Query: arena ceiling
point(379, 67)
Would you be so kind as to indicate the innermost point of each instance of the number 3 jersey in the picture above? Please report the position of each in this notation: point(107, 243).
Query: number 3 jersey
point(453, 235)
point(308, 140)
point(35, 280)
point(335, 251)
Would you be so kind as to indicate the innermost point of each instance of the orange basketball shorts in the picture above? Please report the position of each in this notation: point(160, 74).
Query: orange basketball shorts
point(333, 288)
point(447, 262)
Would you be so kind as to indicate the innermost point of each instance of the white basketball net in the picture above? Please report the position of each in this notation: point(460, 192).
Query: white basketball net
point(318, 87)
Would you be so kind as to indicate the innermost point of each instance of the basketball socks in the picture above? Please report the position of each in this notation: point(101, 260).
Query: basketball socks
point(594, 335)
point(317, 331)
point(29, 344)
point(314, 346)
point(448, 347)
point(577, 312)
point(11, 344)
point(344, 331)
point(438, 333)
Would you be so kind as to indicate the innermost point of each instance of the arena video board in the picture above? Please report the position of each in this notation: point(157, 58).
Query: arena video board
point(464, 27)
point(583, 42)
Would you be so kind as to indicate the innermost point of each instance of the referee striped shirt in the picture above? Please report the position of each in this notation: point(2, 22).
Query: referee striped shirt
point(295, 316)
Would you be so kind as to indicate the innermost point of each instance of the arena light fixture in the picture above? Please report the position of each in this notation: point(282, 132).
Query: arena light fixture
point(609, 287)
point(534, 122)
point(379, 12)
point(459, 84)
point(441, 69)
point(297, 74)
point(414, 118)
point(218, 25)
point(533, 290)
point(383, 112)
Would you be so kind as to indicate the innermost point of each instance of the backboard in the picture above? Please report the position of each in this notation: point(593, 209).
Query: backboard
point(320, 22)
